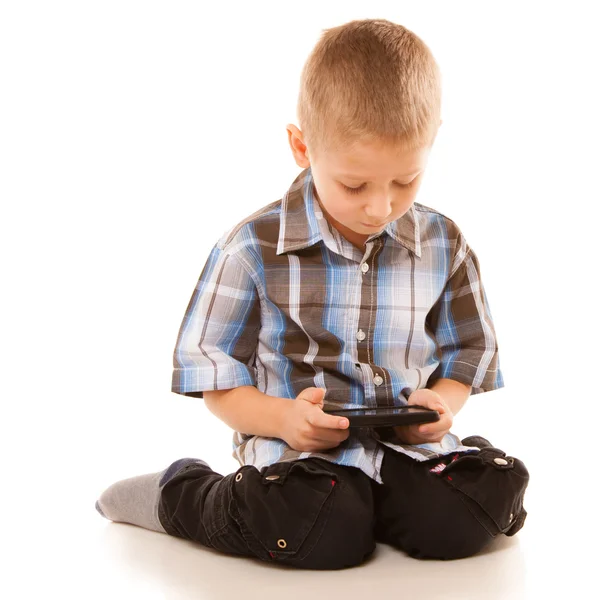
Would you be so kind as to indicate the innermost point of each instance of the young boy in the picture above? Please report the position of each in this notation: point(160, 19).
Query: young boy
point(344, 293)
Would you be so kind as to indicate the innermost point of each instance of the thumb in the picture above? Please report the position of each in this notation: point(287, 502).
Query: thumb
point(313, 394)
point(425, 397)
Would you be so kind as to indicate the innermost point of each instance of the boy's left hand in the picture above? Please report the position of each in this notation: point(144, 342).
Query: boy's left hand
point(426, 433)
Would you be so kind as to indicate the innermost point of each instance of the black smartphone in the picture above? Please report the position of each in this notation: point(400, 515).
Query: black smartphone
point(387, 416)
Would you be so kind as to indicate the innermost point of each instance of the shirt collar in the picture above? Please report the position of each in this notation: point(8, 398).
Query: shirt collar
point(301, 223)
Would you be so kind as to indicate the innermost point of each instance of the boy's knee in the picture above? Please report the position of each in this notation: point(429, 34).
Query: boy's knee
point(348, 537)
point(485, 499)
point(307, 514)
point(458, 506)
point(452, 534)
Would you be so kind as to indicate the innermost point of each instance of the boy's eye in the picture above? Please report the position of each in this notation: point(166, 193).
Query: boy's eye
point(351, 190)
point(359, 189)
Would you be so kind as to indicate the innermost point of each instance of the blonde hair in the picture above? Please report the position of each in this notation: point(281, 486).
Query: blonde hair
point(369, 80)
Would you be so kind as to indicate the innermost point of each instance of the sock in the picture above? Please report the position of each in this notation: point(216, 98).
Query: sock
point(135, 500)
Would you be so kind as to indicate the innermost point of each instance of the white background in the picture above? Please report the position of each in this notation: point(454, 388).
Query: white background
point(128, 134)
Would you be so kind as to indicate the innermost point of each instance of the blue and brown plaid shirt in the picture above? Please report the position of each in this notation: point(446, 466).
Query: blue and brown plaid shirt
point(284, 302)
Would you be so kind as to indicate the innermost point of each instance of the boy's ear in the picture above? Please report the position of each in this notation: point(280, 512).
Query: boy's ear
point(436, 132)
point(298, 147)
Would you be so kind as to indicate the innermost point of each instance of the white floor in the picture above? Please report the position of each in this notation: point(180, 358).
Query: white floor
point(93, 558)
point(57, 546)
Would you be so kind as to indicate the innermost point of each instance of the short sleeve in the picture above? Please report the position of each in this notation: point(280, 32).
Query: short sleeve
point(218, 337)
point(462, 324)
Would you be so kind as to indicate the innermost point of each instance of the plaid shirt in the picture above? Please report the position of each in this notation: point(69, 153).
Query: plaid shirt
point(284, 302)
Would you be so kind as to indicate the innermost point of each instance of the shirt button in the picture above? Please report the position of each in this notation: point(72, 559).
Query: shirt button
point(377, 380)
point(500, 461)
point(364, 267)
point(361, 335)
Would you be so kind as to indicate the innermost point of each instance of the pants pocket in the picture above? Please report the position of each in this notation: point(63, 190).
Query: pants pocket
point(493, 484)
point(282, 509)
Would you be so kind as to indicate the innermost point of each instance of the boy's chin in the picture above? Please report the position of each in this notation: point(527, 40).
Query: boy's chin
point(365, 229)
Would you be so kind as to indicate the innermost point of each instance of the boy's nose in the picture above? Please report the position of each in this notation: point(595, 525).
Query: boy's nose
point(378, 211)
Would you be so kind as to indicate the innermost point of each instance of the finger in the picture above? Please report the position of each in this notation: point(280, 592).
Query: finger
point(444, 424)
point(428, 432)
point(329, 436)
point(432, 427)
point(324, 421)
point(424, 397)
point(431, 435)
point(430, 403)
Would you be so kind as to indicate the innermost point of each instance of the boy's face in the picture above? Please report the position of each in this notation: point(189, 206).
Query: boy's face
point(385, 182)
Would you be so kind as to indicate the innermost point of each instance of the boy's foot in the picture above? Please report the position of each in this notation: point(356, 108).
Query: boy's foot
point(135, 500)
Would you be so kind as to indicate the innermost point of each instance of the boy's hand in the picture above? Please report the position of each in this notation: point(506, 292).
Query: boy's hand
point(307, 428)
point(425, 433)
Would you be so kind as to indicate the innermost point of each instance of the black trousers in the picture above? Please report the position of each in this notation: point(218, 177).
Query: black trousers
point(315, 514)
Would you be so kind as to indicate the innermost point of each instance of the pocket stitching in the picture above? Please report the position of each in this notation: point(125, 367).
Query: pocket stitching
point(300, 539)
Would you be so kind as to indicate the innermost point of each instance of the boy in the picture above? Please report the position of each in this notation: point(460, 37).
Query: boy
point(343, 293)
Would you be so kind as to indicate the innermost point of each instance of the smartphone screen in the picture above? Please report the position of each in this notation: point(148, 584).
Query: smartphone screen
point(378, 411)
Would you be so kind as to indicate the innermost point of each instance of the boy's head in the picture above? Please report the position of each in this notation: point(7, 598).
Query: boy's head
point(369, 111)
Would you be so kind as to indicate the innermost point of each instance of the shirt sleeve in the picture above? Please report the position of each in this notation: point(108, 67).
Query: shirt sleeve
point(462, 324)
point(218, 337)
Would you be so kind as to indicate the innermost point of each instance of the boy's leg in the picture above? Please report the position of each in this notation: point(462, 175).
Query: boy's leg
point(295, 513)
point(450, 507)
point(135, 500)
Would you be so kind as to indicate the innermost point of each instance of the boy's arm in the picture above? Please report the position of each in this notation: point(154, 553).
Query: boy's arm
point(248, 410)
point(218, 336)
point(462, 324)
point(453, 393)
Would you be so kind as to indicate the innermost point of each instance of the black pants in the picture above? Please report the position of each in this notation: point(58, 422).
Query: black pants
point(315, 514)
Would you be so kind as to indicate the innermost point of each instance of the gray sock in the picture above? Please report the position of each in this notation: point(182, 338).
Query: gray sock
point(135, 500)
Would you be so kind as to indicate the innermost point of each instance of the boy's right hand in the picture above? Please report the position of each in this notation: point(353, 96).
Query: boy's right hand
point(307, 428)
